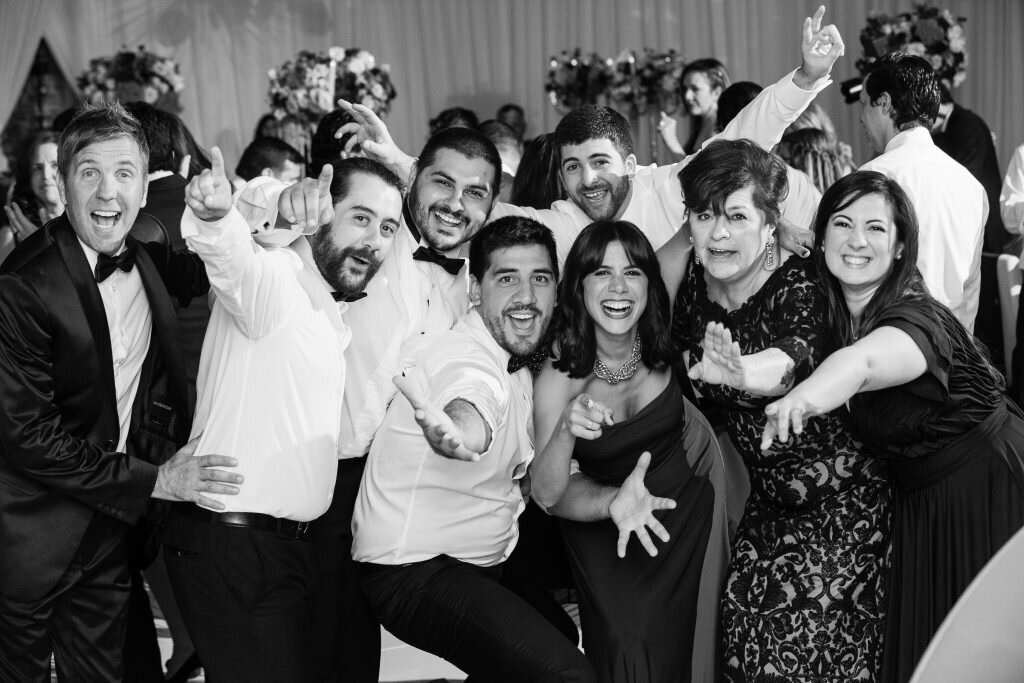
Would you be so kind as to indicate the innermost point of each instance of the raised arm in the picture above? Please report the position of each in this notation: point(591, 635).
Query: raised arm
point(371, 134)
point(884, 358)
point(253, 284)
point(766, 118)
point(770, 372)
point(457, 431)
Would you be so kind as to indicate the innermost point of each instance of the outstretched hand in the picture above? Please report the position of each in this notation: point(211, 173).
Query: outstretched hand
point(443, 435)
point(307, 204)
point(786, 415)
point(584, 417)
point(820, 47)
point(632, 510)
point(186, 477)
point(721, 362)
point(209, 193)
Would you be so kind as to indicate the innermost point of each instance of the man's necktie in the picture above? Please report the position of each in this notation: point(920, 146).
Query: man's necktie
point(534, 361)
point(347, 298)
point(107, 264)
point(452, 265)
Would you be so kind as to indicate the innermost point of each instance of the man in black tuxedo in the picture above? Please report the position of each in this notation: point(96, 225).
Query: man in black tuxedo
point(93, 403)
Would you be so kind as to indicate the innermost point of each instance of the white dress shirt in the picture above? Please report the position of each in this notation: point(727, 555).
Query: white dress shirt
point(414, 504)
point(801, 202)
point(655, 204)
point(1011, 197)
point(951, 210)
point(272, 370)
point(407, 304)
point(130, 323)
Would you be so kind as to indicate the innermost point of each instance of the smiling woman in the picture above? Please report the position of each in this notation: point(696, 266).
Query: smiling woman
point(750, 319)
point(610, 403)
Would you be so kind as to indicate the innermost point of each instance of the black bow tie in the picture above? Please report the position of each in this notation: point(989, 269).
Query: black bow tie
point(347, 298)
point(534, 361)
point(106, 264)
point(452, 265)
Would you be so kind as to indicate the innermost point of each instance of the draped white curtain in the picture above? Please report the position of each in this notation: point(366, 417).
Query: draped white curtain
point(478, 53)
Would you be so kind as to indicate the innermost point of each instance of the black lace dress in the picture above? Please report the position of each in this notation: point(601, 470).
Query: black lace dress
point(956, 449)
point(806, 593)
point(638, 613)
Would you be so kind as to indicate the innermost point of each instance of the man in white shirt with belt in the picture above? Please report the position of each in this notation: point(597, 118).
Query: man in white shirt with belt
point(437, 509)
point(899, 101)
point(270, 386)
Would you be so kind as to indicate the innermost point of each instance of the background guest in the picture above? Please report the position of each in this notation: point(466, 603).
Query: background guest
point(454, 117)
point(702, 82)
point(513, 116)
point(509, 149)
point(271, 157)
point(34, 196)
point(811, 151)
point(538, 184)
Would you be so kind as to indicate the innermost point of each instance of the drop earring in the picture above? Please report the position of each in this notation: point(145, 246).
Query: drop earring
point(769, 253)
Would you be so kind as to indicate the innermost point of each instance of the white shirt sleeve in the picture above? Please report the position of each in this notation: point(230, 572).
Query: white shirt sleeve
point(1011, 198)
point(256, 286)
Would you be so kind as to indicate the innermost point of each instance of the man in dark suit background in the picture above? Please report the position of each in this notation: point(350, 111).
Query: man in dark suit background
point(93, 403)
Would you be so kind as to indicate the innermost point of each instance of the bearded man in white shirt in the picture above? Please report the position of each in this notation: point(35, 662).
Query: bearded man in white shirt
point(440, 498)
point(899, 102)
point(270, 387)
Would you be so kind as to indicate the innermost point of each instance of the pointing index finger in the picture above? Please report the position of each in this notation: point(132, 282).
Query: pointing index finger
point(323, 181)
point(217, 163)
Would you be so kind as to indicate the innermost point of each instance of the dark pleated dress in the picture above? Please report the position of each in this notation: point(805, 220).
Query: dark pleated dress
point(638, 613)
point(956, 449)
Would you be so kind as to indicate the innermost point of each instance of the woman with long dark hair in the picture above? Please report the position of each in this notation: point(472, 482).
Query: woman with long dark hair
point(35, 199)
point(805, 595)
point(608, 403)
point(922, 396)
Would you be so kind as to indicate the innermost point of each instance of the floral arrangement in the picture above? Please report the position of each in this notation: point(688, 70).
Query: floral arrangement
point(648, 81)
point(310, 85)
point(926, 31)
point(635, 82)
point(131, 76)
point(575, 79)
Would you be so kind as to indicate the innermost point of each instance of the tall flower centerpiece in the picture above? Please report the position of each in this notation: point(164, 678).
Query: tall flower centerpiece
point(576, 78)
point(926, 31)
point(131, 76)
point(310, 85)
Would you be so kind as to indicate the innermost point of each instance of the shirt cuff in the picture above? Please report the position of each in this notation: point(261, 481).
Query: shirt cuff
point(790, 95)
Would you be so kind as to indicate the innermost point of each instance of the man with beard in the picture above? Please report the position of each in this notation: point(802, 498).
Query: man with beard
point(421, 291)
point(437, 511)
point(599, 170)
point(270, 388)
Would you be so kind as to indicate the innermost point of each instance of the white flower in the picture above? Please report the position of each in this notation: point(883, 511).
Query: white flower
point(936, 62)
point(886, 29)
point(916, 48)
point(336, 53)
point(954, 32)
point(958, 78)
point(957, 44)
point(272, 74)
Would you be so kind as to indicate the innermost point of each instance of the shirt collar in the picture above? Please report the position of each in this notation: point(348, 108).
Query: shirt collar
point(918, 135)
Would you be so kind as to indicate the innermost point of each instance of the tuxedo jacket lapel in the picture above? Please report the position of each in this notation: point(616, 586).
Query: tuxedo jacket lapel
point(84, 283)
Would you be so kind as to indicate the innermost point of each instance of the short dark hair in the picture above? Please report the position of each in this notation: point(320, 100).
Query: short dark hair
point(594, 122)
point(509, 231)
point(912, 86)
point(510, 108)
point(501, 134)
point(324, 148)
point(733, 99)
point(98, 123)
point(470, 143)
point(158, 127)
point(454, 117)
point(726, 166)
point(573, 328)
point(265, 152)
point(344, 169)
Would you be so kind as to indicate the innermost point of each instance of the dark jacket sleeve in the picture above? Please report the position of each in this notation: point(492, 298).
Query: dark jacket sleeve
point(183, 272)
point(34, 440)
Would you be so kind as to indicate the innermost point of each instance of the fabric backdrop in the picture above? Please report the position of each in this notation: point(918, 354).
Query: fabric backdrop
point(478, 53)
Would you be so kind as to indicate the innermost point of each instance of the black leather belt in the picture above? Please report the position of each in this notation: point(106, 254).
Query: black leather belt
point(248, 520)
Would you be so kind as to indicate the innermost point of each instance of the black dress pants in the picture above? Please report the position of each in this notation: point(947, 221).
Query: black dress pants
point(81, 620)
point(346, 636)
point(244, 595)
point(462, 613)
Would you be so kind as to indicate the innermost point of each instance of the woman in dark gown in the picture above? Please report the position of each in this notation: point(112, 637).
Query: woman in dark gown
point(805, 595)
point(922, 397)
point(640, 447)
